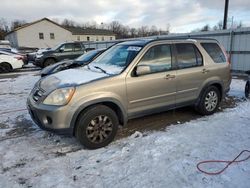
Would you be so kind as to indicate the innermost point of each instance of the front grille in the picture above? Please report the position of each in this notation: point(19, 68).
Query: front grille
point(37, 94)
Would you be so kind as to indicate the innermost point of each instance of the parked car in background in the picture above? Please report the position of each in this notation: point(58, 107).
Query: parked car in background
point(16, 54)
point(131, 79)
point(80, 61)
point(31, 56)
point(9, 62)
point(5, 44)
point(68, 50)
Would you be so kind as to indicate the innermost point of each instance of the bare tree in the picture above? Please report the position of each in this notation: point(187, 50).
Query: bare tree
point(17, 23)
point(133, 32)
point(153, 30)
point(205, 28)
point(143, 31)
point(68, 23)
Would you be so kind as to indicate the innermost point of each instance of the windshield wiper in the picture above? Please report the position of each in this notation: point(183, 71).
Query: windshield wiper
point(105, 72)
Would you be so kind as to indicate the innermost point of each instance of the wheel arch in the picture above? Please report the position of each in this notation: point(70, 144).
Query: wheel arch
point(7, 64)
point(217, 84)
point(50, 57)
point(111, 103)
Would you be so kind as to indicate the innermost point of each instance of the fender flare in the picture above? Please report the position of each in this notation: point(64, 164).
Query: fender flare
point(86, 105)
point(206, 86)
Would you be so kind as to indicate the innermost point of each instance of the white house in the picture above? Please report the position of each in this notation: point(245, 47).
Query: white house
point(45, 33)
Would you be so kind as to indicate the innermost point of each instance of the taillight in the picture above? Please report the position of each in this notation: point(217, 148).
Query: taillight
point(19, 57)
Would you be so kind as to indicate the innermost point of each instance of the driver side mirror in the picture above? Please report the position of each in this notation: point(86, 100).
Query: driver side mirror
point(61, 50)
point(142, 70)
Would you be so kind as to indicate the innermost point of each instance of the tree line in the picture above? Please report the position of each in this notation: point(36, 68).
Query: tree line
point(121, 31)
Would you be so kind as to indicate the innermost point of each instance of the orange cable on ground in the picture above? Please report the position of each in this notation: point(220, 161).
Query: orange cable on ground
point(221, 161)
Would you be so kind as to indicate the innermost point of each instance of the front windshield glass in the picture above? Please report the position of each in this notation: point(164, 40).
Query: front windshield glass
point(87, 56)
point(118, 57)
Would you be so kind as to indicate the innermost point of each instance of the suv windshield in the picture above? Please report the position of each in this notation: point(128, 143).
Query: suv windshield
point(118, 57)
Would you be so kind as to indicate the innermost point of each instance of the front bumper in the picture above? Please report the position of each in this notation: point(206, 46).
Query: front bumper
point(51, 118)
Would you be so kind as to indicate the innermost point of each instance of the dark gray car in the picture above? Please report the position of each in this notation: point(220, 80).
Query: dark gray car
point(69, 50)
point(80, 61)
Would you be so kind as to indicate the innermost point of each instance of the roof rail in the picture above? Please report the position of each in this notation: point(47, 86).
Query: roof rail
point(181, 38)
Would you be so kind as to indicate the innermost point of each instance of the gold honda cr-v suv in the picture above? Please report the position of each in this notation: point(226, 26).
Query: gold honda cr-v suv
point(131, 79)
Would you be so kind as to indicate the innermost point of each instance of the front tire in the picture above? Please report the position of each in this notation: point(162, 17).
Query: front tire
point(96, 127)
point(48, 62)
point(209, 101)
point(5, 67)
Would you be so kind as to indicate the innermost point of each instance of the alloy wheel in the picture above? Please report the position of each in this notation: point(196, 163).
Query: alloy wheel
point(211, 101)
point(99, 129)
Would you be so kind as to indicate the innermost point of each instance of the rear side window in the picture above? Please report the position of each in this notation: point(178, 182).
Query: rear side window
point(77, 47)
point(188, 56)
point(215, 52)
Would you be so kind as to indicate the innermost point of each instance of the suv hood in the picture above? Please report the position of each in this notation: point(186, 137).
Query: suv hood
point(70, 77)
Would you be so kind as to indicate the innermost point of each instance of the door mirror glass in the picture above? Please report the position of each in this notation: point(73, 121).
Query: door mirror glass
point(142, 70)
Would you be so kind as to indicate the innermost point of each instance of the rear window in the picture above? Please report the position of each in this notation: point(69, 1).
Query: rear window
point(214, 52)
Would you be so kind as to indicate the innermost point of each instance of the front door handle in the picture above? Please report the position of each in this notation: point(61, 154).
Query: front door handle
point(169, 76)
point(205, 71)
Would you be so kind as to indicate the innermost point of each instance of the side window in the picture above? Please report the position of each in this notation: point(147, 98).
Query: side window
point(199, 59)
point(158, 58)
point(188, 56)
point(67, 48)
point(77, 47)
point(215, 52)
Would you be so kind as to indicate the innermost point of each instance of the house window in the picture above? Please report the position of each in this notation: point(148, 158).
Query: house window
point(41, 36)
point(87, 38)
point(102, 38)
point(78, 38)
point(110, 38)
point(52, 36)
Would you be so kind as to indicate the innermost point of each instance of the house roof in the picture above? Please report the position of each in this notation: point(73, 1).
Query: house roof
point(73, 30)
point(89, 31)
point(31, 23)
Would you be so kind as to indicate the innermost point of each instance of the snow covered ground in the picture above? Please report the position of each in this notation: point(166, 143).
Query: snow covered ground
point(30, 157)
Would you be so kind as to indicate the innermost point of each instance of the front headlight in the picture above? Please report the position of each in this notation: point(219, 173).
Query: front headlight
point(60, 96)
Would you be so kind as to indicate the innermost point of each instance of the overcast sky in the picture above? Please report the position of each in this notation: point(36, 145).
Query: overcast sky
point(182, 15)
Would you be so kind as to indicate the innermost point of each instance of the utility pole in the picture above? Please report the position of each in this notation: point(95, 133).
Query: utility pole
point(225, 14)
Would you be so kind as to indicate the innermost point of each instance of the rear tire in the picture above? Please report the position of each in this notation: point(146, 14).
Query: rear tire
point(48, 62)
point(96, 127)
point(209, 101)
point(247, 89)
point(5, 67)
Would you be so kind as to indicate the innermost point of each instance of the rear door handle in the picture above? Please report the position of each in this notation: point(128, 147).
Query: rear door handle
point(169, 76)
point(205, 71)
